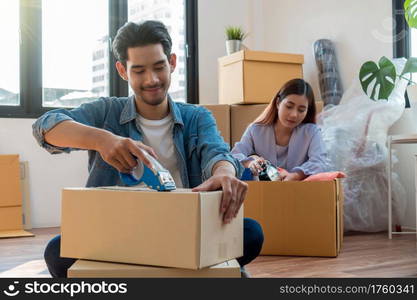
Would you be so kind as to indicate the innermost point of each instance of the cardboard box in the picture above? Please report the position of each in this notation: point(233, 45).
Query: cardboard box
point(255, 76)
point(298, 218)
point(10, 181)
point(11, 218)
point(240, 118)
point(96, 269)
point(11, 213)
point(178, 229)
point(221, 113)
point(319, 106)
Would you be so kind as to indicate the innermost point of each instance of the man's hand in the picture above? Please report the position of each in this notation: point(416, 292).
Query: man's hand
point(234, 190)
point(121, 152)
point(255, 165)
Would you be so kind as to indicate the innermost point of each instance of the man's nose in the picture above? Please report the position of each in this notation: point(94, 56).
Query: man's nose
point(151, 78)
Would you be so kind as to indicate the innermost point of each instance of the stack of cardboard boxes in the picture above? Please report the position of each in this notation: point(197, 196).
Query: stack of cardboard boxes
point(11, 206)
point(136, 232)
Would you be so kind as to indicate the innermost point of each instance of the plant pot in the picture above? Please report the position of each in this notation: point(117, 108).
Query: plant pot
point(233, 46)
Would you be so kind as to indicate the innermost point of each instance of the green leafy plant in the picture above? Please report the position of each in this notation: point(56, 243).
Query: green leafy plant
point(378, 80)
point(235, 33)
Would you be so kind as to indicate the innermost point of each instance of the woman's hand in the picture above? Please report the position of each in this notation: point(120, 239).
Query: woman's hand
point(295, 176)
point(255, 165)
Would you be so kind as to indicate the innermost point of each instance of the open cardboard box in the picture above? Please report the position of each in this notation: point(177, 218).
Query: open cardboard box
point(180, 228)
point(298, 218)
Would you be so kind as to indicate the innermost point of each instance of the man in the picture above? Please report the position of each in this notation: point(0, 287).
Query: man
point(182, 136)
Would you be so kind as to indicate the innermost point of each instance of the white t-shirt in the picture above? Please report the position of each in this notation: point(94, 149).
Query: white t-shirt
point(158, 134)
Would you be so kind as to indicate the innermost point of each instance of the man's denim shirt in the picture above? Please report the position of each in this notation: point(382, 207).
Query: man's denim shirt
point(197, 141)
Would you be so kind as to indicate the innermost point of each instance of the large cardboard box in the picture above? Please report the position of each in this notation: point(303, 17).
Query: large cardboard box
point(178, 229)
point(256, 76)
point(96, 269)
point(240, 118)
point(221, 112)
point(298, 218)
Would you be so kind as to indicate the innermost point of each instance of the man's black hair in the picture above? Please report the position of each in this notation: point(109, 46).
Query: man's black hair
point(140, 34)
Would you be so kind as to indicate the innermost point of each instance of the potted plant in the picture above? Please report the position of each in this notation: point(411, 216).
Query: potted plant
point(235, 36)
point(378, 80)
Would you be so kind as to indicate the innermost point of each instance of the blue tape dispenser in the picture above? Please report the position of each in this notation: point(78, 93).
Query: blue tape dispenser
point(157, 178)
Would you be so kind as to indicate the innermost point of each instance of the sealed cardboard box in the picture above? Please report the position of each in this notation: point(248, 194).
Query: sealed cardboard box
point(256, 76)
point(178, 229)
point(221, 112)
point(96, 269)
point(298, 218)
point(240, 118)
point(10, 181)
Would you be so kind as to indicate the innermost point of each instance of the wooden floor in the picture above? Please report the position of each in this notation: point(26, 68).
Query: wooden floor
point(363, 255)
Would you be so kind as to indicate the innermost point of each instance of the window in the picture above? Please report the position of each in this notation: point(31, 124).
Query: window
point(404, 39)
point(98, 67)
point(71, 50)
point(9, 58)
point(62, 58)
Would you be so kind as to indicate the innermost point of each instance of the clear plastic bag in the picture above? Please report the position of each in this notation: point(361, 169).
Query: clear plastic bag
point(355, 133)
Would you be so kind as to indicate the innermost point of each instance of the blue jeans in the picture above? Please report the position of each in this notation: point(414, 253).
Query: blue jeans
point(252, 244)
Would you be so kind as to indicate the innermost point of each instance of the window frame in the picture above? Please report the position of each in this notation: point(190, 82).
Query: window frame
point(31, 57)
point(401, 35)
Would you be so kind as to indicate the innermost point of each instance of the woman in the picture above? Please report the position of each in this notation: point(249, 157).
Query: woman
point(286, 135)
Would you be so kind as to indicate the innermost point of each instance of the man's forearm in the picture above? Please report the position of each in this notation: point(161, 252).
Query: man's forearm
point(75, 135)
point(223, 167)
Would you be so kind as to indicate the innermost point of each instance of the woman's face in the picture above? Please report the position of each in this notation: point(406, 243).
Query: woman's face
point(292, 110)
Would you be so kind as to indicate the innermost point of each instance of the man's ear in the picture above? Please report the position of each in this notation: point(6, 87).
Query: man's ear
point(173, 62)
point(121, 69)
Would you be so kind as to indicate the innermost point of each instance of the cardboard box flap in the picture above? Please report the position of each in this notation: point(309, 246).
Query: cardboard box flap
point(264, 56)
point(339, 204)
point(227, 245)
point(140, 188)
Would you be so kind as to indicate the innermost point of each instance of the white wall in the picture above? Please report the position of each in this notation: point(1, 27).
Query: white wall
point(213, 17)
point(48, 174)
point(361, 30)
